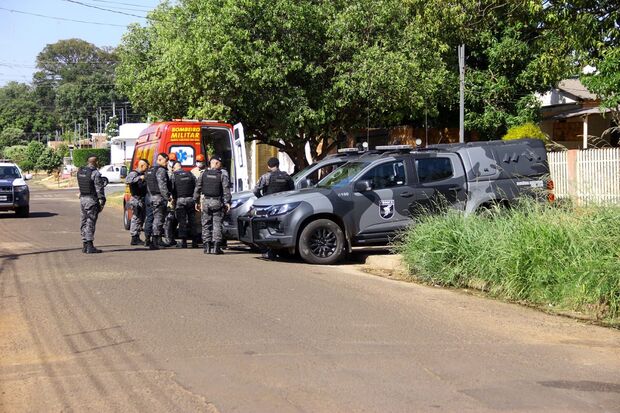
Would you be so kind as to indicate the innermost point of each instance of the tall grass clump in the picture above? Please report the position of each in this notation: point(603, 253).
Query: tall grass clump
point(535, 253)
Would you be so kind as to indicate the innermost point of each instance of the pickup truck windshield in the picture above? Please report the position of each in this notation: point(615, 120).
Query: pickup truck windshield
point(342, 177)
point(9, 172)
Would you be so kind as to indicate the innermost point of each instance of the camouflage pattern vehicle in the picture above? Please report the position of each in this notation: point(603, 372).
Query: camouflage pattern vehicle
point(367, 201)
point(306, 178)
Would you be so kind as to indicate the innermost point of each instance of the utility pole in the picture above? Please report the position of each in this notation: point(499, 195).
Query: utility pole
point(113, 108)
point(461, 52)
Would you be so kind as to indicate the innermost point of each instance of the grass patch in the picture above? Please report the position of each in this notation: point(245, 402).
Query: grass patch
point(115, 200)
point(564, 258)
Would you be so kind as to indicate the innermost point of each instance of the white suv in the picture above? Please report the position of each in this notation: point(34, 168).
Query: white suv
point(14, 192)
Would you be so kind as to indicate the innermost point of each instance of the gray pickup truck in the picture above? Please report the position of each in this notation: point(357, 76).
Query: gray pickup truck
point(306, 178)
point(369, 200)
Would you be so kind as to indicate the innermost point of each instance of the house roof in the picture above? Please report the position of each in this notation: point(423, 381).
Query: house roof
point(575, 88)
point(579, 112)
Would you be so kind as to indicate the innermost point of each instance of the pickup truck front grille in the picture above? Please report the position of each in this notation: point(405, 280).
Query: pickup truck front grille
point(6, 189)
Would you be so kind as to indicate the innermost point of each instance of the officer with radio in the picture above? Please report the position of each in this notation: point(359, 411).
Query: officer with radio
point(92, 201)
point(157, 183)
point(183, 186)
point(137, 187)
point(212, 196)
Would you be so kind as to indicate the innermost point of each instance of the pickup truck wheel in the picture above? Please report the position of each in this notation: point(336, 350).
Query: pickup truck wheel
point(126, 220)
point(22, 212)
point(322, 242)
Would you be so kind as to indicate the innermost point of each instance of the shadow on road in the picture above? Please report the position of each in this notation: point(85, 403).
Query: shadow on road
point(41, 214)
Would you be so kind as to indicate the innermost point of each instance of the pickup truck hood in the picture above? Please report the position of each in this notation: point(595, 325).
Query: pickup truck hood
point(8, 182)
point(298, 195)
point(244, 195)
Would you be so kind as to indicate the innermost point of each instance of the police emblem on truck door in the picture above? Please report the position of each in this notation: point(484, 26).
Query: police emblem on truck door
point(386, 209)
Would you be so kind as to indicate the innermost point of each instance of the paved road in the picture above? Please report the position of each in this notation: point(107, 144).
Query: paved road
point(135, 330)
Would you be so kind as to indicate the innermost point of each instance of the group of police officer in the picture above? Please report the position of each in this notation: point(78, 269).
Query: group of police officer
point(165, 195)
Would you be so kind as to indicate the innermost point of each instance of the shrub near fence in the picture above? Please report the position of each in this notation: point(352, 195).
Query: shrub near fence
point(80, 156)
point(555, 257)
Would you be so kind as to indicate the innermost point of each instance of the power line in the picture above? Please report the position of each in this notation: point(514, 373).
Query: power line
point(61, 18)
point(104, 9)
point(118, 2)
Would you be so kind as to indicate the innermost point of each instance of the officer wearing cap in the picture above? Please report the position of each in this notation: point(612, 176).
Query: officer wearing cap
point(200, 167)
point(273, 181)
point(157, 183)
point(137, 187)
point(92, 201)
point(183, 186)
point(212, 197)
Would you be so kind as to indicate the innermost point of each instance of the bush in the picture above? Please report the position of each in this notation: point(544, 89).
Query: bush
point(34, 150)
point(49, 161)
point(80, 156)
point(26, 165)
point(537, 254)
point(527, 130)
point(11, 136)
point(15, 153)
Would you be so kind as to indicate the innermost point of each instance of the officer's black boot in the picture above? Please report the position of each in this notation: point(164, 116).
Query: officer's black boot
point(84, 247)
point(90, 248)
point(207, 247)
point(154, 245)
point(195, 243)
point(183, 243)
point(147, 241)
point(135, 240)
point(217, 249)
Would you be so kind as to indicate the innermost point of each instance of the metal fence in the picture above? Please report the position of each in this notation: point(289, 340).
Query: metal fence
point(587, 176)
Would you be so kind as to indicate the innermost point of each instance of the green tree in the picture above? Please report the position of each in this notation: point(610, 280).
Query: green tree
point(11, 136)
point(15, 153)
point(75, 77)
point(34, 150)
point(527, 130)
point(19, 109)
point(111, 128)
point(50, 160)
point(605, 82)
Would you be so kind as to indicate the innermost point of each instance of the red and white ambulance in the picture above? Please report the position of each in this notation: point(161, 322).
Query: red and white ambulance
point(188, 138)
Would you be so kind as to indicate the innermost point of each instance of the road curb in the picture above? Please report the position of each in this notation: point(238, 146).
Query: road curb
point(386, 265)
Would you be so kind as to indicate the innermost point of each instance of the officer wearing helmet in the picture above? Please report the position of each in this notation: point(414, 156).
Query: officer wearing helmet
point(200, 167)
point(273, 181)
point(92, 201)
point(157, 183)
point(212, 197)
point(137, 187)
point(183, 186)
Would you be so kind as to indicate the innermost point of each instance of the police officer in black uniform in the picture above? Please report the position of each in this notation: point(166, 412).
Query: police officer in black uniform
point(213, 194)
point(157, 183)
point(273, 181)
point(183, 186)
point(137, 187)
point(92, 201)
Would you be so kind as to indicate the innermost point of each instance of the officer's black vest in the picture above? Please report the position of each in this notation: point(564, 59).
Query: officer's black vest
point(85, 181)
point(212, 183)
point(278, 182)
point(138, 188)
point(151, 180)
point(184, 184)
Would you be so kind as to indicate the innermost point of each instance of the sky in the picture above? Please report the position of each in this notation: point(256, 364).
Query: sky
point(23, 36)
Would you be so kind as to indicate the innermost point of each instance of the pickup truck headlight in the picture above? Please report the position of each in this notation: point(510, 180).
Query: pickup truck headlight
point(282, 208)
point(20, 188)
point(236, 203)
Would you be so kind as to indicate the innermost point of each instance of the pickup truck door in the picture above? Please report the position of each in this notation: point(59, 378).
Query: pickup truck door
point(383, 210)
point(441, 183)
point(242, 182)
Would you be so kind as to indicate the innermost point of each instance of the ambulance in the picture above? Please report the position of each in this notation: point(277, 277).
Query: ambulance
point(187, 139)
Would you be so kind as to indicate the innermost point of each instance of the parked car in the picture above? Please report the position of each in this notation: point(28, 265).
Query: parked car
point(306, 178)
point(14, 192)
point(369, 200)
point(113, 173)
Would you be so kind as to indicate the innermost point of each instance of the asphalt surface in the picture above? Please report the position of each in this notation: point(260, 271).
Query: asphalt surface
point(178, 331)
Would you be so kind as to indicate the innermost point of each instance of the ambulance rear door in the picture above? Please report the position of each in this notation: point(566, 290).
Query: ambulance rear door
point(242, 182)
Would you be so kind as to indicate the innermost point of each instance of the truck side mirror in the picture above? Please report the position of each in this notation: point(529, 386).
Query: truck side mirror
point(123, 172)
point(363, 186)
point(28, 177)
